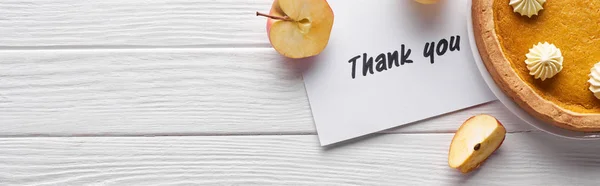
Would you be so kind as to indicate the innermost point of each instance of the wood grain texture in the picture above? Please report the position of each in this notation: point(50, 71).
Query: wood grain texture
point(392, 159)
point(118, 23)
point(169, 92)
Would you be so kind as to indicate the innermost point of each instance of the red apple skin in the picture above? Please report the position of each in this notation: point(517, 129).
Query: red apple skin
point(270, 21)
point(475, 167)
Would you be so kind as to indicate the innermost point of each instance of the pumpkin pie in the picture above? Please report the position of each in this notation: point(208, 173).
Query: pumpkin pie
point(507, 39)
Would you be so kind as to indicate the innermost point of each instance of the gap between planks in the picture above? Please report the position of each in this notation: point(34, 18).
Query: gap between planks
point(131, 47)
point(232, 134)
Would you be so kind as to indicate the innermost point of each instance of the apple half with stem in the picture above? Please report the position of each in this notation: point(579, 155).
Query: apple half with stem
point(476, 139)
point(299, 28)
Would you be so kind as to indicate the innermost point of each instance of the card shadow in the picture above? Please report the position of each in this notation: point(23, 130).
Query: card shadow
point(350, 142)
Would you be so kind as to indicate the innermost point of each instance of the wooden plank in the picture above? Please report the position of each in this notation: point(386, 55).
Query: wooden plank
point(166, 92)
point(136, 23)
point(396, 159)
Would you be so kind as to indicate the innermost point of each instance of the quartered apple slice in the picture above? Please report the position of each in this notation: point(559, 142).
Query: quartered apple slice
point(299, 28)
point(475, 141)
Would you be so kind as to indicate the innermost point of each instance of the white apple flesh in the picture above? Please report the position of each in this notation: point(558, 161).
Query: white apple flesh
point(476, 139)
point(299, 28)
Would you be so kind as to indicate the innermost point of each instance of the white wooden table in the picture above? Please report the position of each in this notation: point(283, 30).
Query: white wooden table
point(144, 92)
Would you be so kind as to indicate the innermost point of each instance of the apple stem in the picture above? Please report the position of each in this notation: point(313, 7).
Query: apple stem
point(284, 18)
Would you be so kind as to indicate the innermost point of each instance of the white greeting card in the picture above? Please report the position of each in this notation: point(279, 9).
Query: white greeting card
point(389, 63)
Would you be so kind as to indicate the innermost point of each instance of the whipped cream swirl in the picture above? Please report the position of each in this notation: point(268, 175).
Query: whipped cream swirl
point(595, 80)
point(527, 7)
point(544, 61)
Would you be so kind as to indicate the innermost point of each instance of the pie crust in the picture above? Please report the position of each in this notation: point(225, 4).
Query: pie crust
point(507, 79)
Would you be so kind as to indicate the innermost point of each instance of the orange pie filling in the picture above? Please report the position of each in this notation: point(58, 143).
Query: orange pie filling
point(570, 25)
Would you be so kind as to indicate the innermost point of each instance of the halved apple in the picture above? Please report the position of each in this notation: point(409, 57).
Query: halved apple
point(299, 28)
point(475, 141)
